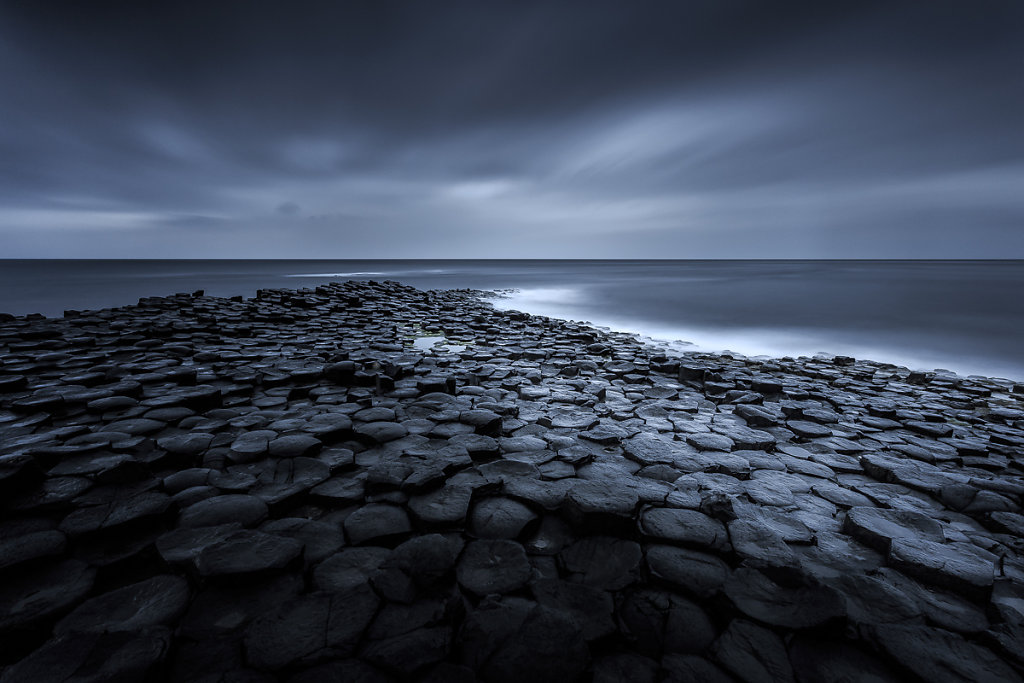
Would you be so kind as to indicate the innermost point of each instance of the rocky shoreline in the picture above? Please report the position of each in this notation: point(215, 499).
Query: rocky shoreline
point(293, 488)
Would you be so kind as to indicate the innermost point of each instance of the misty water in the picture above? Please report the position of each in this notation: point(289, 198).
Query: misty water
point(963, 316)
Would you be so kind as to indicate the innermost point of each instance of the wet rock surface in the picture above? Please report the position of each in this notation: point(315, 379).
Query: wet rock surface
point(287, 488)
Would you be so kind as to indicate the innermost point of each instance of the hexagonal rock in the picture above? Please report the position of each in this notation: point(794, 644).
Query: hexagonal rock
point(188, 444)
point(697, 573)
point(648, 449)
point(243, 509)
point(707, 441)
point(602, 561)
point(320, 538)
point(421, 565)
point(626, 667)
point(28, 600)
point(873, 600)
point(579, 420)
point(446, 506)
point(808, 430)
point(602, 497)
point(937, 655)
point(293, 446)
point(684, 526)
point(935, 430)
point(182, 546)
point(877, 527)
point(493, 566)
point(376, 521)
point(691, 669)
point(95, 657)
point(158, 601)
point(486, 422)
point(380, 432)
point(828, 661)
point(753, 653)
point(762, 599)
point(30, 547)
point(339, 490)
point(247, 552)
point(135, 426)
point(143, 508)
point(656, 622)
point(516, 640)
point(329, 427)
point(591, 607)
point(410, 652)
point(300, 628)
point(962, 567)
point(251, 446)
point(499, 518)
point(348, 568)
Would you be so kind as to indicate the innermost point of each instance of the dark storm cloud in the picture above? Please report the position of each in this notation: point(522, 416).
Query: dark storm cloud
point(598, 129)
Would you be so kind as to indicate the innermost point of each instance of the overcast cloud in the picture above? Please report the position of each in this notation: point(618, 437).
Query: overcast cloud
point(707, 129)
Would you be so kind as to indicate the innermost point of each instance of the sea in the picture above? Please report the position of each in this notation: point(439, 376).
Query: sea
point(965, 317)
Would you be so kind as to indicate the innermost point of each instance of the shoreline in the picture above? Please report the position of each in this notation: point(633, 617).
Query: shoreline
point(286, 488)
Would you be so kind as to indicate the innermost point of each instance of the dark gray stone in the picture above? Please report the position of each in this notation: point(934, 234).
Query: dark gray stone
point(243, 509)
point(499, 518)
point(753, 653)
point(697, 573)
point(310, 624)
point(493, 566)
point(376, 522)
point(602, 561)
point(245, 553)
point(158, 601)
point(877, 527)
point(684, 526)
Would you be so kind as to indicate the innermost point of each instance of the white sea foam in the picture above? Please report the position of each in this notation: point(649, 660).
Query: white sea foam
point(357, 274)
point(571, 304)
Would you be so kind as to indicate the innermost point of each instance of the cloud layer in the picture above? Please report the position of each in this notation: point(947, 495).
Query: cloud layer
point(705, 129)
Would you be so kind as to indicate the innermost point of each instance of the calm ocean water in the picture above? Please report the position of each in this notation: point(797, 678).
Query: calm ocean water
point(964, 316)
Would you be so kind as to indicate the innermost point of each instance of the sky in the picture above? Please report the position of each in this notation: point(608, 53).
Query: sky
point(488, 129)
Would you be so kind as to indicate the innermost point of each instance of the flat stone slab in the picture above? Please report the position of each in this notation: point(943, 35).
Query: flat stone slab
point(349, 568)
point(694, 572)
point(938, 655)
point(375, 522)
point(234, 508)
point(800, 607)
point(878, 527)
point(380, 432)
point(752, 653)
point(181, 547)
point(962, 567)
point(294, 445)
point(300, 628)
point(247, 552)
point(602, 497)
point(117, 656)
point(31, 547)
point(446, 506)
point(143, 508)
point(158, 601)
point(500, 518)
point(603, 561)
point(28, 600)
point(685, 526)
point(656, 623)
point(518, 640)
point(493, 566)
